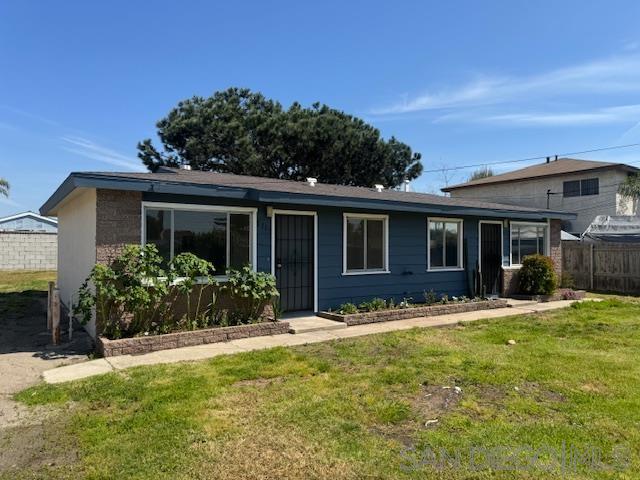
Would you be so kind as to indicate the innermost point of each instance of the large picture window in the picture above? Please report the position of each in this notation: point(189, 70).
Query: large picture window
point(444, 238)
point(224, 238)
point(527, 239)
point(365, 243)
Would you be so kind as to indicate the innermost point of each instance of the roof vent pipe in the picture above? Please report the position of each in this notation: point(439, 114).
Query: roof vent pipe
point(378, 187)
point(185, 166)
point(548, 159)
point(556, 158)
point(312, 181)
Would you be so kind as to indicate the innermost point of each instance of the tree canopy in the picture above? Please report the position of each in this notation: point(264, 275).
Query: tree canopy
point(4, 188)
point(630, 187)
point(243, 132)
point(482, 172)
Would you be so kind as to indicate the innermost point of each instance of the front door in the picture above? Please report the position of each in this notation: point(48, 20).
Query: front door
point(294, 257)
point(490, 258)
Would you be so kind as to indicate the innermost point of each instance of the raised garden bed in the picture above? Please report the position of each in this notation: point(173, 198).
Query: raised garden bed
point(562, 294)
point(153, 343)
point(414, 311)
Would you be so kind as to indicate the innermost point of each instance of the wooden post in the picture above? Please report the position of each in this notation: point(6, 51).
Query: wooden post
point(591, 265)
point(55, 317)
point(49, 306)
point(70, 317)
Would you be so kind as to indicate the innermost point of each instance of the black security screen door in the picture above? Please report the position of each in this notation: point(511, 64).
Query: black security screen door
point(294, 261)
point(490, 257)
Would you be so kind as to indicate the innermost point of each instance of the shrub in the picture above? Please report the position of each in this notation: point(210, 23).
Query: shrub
point(347, 309)
point(566, 280)
point(537, 275)
point(249, 293)
point(135, 294)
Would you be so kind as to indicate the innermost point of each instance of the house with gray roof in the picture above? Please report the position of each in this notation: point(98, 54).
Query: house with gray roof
point(587, 188)
point(325, 244)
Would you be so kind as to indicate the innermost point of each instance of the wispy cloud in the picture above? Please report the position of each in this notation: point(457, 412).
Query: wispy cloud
point(612, 75)
point(599, 116)
point(89, 149)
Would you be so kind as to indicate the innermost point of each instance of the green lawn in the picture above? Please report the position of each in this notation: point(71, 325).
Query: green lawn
point(23, 280)
point(357, 408)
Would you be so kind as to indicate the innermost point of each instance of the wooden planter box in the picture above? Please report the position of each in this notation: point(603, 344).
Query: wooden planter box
point(559, 295)
point(421, 311)
point(153, 343)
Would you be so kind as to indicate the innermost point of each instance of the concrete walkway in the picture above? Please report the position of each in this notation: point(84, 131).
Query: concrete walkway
point(200, 352)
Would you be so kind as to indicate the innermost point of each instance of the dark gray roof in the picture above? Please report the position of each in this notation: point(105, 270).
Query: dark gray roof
point(275, 190)
point(560, 166)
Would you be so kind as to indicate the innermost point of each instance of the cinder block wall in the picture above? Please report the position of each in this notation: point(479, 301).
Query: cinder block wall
point(28, 251)
point(118, 224)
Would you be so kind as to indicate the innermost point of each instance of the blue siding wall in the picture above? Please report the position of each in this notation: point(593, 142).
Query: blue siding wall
point(407, 255)
point(407, 262)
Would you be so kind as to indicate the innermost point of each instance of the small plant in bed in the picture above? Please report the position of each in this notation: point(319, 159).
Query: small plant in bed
point(379, 304)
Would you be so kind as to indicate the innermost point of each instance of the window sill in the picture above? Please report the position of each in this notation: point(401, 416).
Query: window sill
point(456, 269)
point(512, 267)
point(366, 272)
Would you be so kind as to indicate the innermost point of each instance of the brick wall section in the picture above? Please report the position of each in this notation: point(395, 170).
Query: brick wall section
point(510, 275)
point(28, 251)
point(117, 222)
point(404, 313)
point(152, 343)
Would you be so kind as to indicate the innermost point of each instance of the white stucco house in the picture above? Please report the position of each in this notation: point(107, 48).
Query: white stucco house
point(585, 187)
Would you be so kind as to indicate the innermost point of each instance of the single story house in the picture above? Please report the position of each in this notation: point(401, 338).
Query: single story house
point(326, 244)
point(586, 187)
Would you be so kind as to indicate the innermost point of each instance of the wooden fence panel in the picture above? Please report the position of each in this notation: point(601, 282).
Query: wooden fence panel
point(605, 267)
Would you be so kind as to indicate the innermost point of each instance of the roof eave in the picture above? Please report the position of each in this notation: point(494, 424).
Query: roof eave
point(79, 180)
point(622, 166)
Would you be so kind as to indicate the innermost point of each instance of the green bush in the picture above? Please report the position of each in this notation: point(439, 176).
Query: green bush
point(135, 295)
point(249, 292)
point(537, 275)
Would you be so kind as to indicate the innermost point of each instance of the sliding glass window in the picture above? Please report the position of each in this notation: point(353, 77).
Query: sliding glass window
point(222, 238)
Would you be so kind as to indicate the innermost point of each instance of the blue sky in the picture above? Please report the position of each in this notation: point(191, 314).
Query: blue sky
point(461, 82)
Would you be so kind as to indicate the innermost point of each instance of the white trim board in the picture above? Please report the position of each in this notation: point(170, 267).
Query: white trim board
point(275, 212)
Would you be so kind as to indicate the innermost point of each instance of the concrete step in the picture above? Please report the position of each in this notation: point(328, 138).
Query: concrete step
point(313, 324)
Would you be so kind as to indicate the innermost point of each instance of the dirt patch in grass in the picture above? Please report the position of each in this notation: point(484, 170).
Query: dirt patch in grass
point(541, 394)
point(258, 382)
point(38, 449)
point(436, 400)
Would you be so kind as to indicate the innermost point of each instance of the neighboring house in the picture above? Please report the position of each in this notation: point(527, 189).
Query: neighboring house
point(28, 241)
point(28, 222)
point(326, 244)
point(584, 187)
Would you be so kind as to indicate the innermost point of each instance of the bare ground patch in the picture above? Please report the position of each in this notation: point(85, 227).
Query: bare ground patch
point(34, 449)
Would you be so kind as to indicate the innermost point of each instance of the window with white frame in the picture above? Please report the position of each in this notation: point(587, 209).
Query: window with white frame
point(224, 238)
point(365, 243)
point(527, 239)
point(444, 238)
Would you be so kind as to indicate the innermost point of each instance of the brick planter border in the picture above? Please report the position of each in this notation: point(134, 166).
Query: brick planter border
point(153, 343)
point(559, 295)
point(424, 311)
